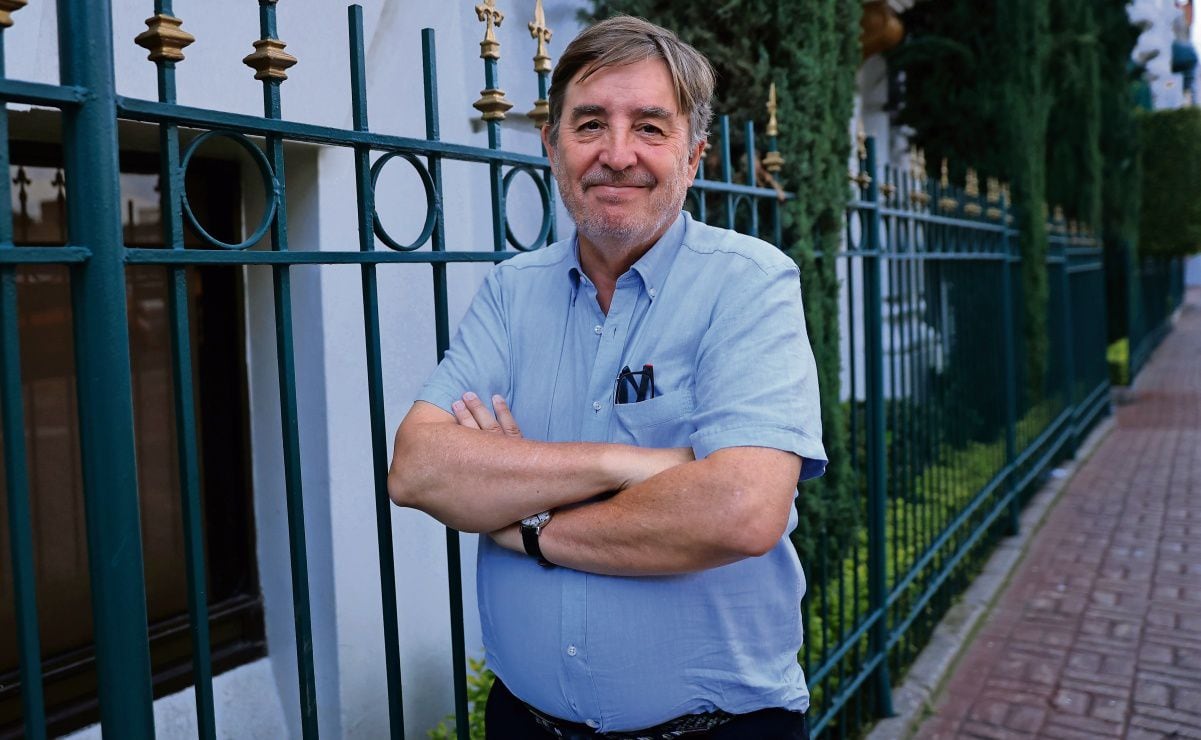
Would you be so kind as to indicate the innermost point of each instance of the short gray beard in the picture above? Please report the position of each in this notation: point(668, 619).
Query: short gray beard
point(625, 234)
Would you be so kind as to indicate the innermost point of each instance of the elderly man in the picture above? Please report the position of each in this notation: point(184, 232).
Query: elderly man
point(627, 413)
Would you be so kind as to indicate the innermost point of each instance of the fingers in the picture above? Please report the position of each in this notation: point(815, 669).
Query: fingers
point(504, 417)
point(463, 415)
point(471, 412)
point(480, 414)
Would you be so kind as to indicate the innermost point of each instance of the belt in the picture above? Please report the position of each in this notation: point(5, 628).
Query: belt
point(689, 724)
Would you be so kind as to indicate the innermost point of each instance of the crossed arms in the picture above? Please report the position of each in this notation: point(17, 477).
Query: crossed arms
point(473, 471)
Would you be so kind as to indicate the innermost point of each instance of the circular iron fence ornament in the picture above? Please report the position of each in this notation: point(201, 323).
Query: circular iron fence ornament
point(431, 205)
point(271, 189)
point(543, 195)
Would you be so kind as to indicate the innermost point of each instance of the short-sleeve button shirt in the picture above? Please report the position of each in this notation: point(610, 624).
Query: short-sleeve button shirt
point(718, 315)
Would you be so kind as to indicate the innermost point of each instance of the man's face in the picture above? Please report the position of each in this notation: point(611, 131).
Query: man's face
point(622, 160)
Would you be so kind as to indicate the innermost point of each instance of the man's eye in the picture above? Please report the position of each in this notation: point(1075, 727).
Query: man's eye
point(590, 126)
point(647, 128)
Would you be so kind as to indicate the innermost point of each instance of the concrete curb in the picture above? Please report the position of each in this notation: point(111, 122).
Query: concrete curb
point(913, 699)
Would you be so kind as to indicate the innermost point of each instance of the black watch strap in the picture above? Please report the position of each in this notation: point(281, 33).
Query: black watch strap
point(529, 538)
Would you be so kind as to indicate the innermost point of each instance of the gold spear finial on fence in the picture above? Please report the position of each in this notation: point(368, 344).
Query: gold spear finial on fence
point(492, 17)
point(492, 102)
point(863, 179)
point(917, 171)
point(993, 196)
point(7, 8)
point(540, 114)
point(542, 34)
point(772, 127)
point(163, 38)
point(946, 202)
point(773, 161)
point(972, 190)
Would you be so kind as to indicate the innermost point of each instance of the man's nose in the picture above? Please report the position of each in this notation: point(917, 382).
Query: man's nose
point(618, 151)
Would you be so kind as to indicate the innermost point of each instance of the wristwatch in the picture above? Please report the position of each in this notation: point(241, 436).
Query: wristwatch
point(531, 528)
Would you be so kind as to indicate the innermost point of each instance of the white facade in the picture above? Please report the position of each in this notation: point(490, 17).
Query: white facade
point(1162, 22)
point(261, 699)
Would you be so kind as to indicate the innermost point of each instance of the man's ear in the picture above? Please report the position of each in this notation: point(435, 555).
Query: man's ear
point(546, 144)
point(694, 157)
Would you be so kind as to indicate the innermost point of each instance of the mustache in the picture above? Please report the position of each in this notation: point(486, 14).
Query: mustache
point(605, 176)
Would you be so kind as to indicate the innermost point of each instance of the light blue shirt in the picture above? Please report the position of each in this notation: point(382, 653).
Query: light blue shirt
point(719, 316)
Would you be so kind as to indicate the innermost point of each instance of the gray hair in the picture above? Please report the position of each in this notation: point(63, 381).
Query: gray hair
point(627, 40)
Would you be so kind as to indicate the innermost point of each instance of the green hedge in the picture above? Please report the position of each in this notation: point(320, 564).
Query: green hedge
point(1170, 221)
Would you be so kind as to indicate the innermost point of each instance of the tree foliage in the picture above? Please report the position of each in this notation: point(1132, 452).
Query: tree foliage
point(811, 55)
point(1171, 211)
point(1037, 93)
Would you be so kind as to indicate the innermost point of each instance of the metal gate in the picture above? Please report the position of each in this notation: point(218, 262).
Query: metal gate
point(98, 256)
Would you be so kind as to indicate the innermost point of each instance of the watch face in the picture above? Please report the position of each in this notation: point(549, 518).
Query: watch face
point(536, 520)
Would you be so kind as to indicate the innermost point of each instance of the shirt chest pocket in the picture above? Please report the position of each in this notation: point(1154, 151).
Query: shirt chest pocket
point(663, 421)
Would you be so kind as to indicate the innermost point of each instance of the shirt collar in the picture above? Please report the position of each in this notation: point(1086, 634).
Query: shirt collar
point(652, 267)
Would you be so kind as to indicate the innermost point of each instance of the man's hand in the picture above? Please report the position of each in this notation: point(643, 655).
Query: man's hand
point(471, 412)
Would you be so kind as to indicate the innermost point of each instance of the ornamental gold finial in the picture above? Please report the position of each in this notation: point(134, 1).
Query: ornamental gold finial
point(917, 170)
point(972, 186)
point(994, 190)
point(773, 161)
point(490, 15)
point(7, 8)
point(994, 198)
point(946, 202)
point(541, 34)
point(269, 60)
point(861, 141)
point(164, 38)
point(772, 127)
point(538, 30)
point(972, 189)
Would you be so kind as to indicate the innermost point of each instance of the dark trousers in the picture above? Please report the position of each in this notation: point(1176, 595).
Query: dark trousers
point(506, 718)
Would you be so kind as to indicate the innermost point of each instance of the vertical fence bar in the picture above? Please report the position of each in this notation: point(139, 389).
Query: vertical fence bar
point(1069, 353)
point(1013, 519)
point(876, 489)
point(727, 172)
point(289, 415)
point(103, 372)
point(541, 112)
point(16, 462)
point(751, 180)
point(454, 565)
point(170, 188)
point(375, 377)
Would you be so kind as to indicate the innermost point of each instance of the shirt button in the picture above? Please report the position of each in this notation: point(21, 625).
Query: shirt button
point(598, 329)
point(592, 723)
point(571, 650)
point(651, 292)
point(596, 405)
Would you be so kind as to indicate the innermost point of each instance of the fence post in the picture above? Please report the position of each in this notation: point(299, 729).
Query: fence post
point(1009, 351)
point(1134, 314)
point(1069, 351)
point(103, 372)
point(877, 549)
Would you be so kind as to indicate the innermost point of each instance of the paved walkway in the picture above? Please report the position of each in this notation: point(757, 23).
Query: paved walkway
point(1098, 634)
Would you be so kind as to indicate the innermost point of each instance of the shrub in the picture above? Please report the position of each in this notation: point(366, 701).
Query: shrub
point(1170, 222)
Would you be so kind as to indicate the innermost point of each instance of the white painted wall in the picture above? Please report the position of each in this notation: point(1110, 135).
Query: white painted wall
point(1154, 48)
point(261, 699)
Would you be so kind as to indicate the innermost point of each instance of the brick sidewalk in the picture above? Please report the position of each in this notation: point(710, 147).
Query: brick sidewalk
point(1099, 632)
